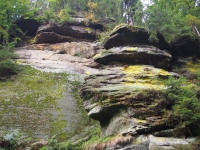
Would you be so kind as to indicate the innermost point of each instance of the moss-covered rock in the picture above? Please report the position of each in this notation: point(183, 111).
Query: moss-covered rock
point(129, 35)
point(134, 91)
point(53, 33)
point(143, 55)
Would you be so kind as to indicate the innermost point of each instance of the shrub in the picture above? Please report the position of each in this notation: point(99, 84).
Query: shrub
point(64, 15)
point(14, 139)
point(7, 65)
point(46, 16)
point(186, 108)
point(90, 15)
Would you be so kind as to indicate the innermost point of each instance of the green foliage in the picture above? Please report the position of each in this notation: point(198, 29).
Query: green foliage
point(90, 16)
point(103, 36)
point(186, 108)
point(64, 15)
point(53, 144)
point(7, 65)
point(47, 16)
point(14, 139)
point(10, 11)
point(95, 139)
point(172, 18)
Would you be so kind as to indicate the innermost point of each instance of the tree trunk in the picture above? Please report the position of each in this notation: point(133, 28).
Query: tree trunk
point(196, 30)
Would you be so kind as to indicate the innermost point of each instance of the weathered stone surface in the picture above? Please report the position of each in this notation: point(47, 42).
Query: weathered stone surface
point(79, 49)
point(146, 55)
point(167, 143)
point(129, 92)
point(185, 46)
point(52, 37)
point(128, 35)
point(124, 35)
point(53, 33)
point(80, 21)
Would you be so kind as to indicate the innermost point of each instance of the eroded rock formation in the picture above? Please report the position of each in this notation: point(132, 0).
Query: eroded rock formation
point(185, 46)
point(125, 97)
point(74, 31)
point(146, 55)
point(128, 35)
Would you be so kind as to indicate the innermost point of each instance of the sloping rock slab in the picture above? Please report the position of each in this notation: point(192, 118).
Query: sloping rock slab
point(128, 35)
point(75, 33)
point(79, 49)
point(135, 55)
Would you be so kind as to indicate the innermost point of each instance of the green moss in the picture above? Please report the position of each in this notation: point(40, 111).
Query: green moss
point(34, 102)
point(119, 26)
point(131, 27)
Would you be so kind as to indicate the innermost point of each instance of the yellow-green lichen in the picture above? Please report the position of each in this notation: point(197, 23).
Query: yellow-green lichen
point(131, 48)
point(193, 66)
point(119, 26)
point(87, 73)
point(143, 77)
point(137, 69)
point(140, 121)
point(97, 55)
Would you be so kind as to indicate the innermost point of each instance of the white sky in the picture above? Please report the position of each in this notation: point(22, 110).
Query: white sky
point(146, 3)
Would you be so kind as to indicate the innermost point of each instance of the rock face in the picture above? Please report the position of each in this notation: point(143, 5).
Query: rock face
point(126, 96)
point(146, 55)
point(74, 31)
point(124, 35)
point(126, 100)
point(79, 49)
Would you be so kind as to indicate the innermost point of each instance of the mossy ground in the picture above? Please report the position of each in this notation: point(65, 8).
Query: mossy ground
point(34, 103)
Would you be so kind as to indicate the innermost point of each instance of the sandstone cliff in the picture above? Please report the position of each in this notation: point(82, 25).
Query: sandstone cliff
point(126, 96)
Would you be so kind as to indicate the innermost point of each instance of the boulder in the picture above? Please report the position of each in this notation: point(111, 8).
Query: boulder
point(128, 35)
point(53, 33)
point(125, 100)
point(185, 46)
point(143, 55)
point(124, 35)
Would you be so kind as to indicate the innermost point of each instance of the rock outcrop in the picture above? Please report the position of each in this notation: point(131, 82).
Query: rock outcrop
point(125, 34)
point(74, 31)
point(143, 55)
point(126, 99)
point(79, 49)
point(126, 96)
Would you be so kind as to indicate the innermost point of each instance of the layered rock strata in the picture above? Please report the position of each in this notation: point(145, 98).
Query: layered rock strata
point(126, 96)
point(128, 35)
point(74, 31)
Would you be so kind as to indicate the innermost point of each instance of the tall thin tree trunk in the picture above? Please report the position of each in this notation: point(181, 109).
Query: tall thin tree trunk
point(196, 30)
